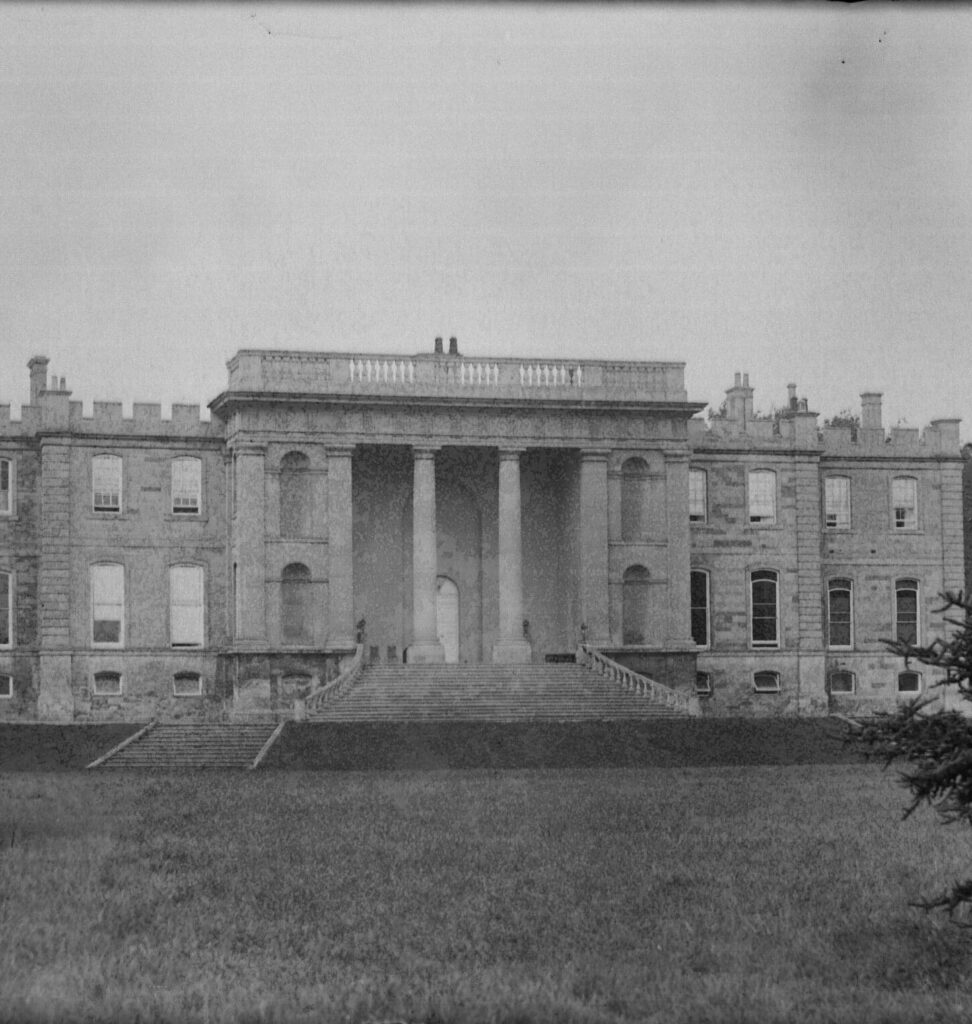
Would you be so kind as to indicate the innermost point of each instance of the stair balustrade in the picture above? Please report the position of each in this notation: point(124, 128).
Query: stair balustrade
point(327, 692)
point(634, 682)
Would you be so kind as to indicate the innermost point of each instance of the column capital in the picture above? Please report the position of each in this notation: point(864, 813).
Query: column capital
point(338, 451)
point(249, 448)
point(425, 451)
point(509, 452)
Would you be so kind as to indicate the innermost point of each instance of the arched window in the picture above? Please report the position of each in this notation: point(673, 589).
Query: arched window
point(296, 624)
point(699, 589)
point(634, 497)
point(762, 496)
point(634, 601)
point(906, 611)
point(840, 613)
point(295, 495)
point(764, 608)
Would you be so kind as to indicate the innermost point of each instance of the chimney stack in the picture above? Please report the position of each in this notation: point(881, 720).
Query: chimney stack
point(438, 346)
point(453, 347)
point(871, 410)
point(38, 377)
point(792, 395)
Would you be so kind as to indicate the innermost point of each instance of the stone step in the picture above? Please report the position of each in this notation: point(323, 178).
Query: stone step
point(193, 746)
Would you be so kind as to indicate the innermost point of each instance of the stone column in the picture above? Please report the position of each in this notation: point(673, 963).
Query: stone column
point(425, 646)
point(679, 560)
point(593, 514)
point(250, 546)
point(511, 646)
point(340, 549)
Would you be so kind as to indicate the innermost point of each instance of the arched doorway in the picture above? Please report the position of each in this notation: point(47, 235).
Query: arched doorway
point(634, 590)
point(447, 617)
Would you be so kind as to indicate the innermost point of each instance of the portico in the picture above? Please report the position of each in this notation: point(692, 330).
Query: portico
point(462, 510)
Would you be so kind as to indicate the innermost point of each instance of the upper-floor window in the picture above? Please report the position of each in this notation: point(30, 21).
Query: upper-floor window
point(107, 605)
point(764, 608)
point(837, 510)
point(186, 603)
point(840, 604)
point(762, 496)
point(186, 486)
point(904, 502)
point(698, 496)
point(906, 611)
point(6, 609)
point(634, 498)
point(296, 499)
point(6, 487)
point(106, 483)
point(699, 589)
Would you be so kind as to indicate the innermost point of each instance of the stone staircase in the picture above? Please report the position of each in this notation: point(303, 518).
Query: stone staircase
point(193, 746)
point(497, 693)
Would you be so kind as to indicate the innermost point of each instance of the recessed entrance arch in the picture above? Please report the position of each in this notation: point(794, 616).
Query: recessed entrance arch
point(447, 617)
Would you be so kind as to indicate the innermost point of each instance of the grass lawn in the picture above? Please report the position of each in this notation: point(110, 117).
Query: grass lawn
point(734, 894)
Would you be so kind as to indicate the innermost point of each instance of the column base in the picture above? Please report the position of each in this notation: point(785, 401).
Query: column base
point(424, 653)
point(512, 652)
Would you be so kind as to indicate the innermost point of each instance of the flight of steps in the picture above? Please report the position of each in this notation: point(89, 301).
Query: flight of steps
point(192, 746)
point(555, 692)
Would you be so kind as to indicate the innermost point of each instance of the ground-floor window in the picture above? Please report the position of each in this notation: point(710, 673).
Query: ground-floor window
point(909, 682)
point(187, 684)
point(6, 687)
point(703, 684)
point(842, 682)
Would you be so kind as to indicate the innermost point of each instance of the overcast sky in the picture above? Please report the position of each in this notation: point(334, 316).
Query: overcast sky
point(783, 190)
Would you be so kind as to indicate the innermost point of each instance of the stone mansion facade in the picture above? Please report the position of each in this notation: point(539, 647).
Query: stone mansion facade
point(445, 508)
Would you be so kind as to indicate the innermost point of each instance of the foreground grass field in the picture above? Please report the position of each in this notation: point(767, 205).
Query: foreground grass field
point(736, 894)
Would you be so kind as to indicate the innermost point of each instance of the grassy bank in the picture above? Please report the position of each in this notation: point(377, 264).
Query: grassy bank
point(670, 895)
point(624, 744)
point(31, 748)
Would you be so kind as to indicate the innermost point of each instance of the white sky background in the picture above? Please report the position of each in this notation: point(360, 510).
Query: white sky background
point(783, 190)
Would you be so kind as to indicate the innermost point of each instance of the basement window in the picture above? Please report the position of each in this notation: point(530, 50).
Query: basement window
point(187, 684)
point(6, 687)
point(909, 682)
point(766, 682)
point(703, 684)
point(107, 684)
point(842, 682)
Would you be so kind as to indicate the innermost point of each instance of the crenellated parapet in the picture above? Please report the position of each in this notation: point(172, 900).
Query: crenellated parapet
point(52, 411)
point(736, 426)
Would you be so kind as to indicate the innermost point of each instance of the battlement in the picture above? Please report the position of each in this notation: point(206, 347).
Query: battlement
point(51, 410)
point(735, 425)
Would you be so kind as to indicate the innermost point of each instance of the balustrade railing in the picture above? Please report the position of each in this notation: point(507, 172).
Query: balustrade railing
point(634, 682)
point(421, 374)
point(327, 692)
